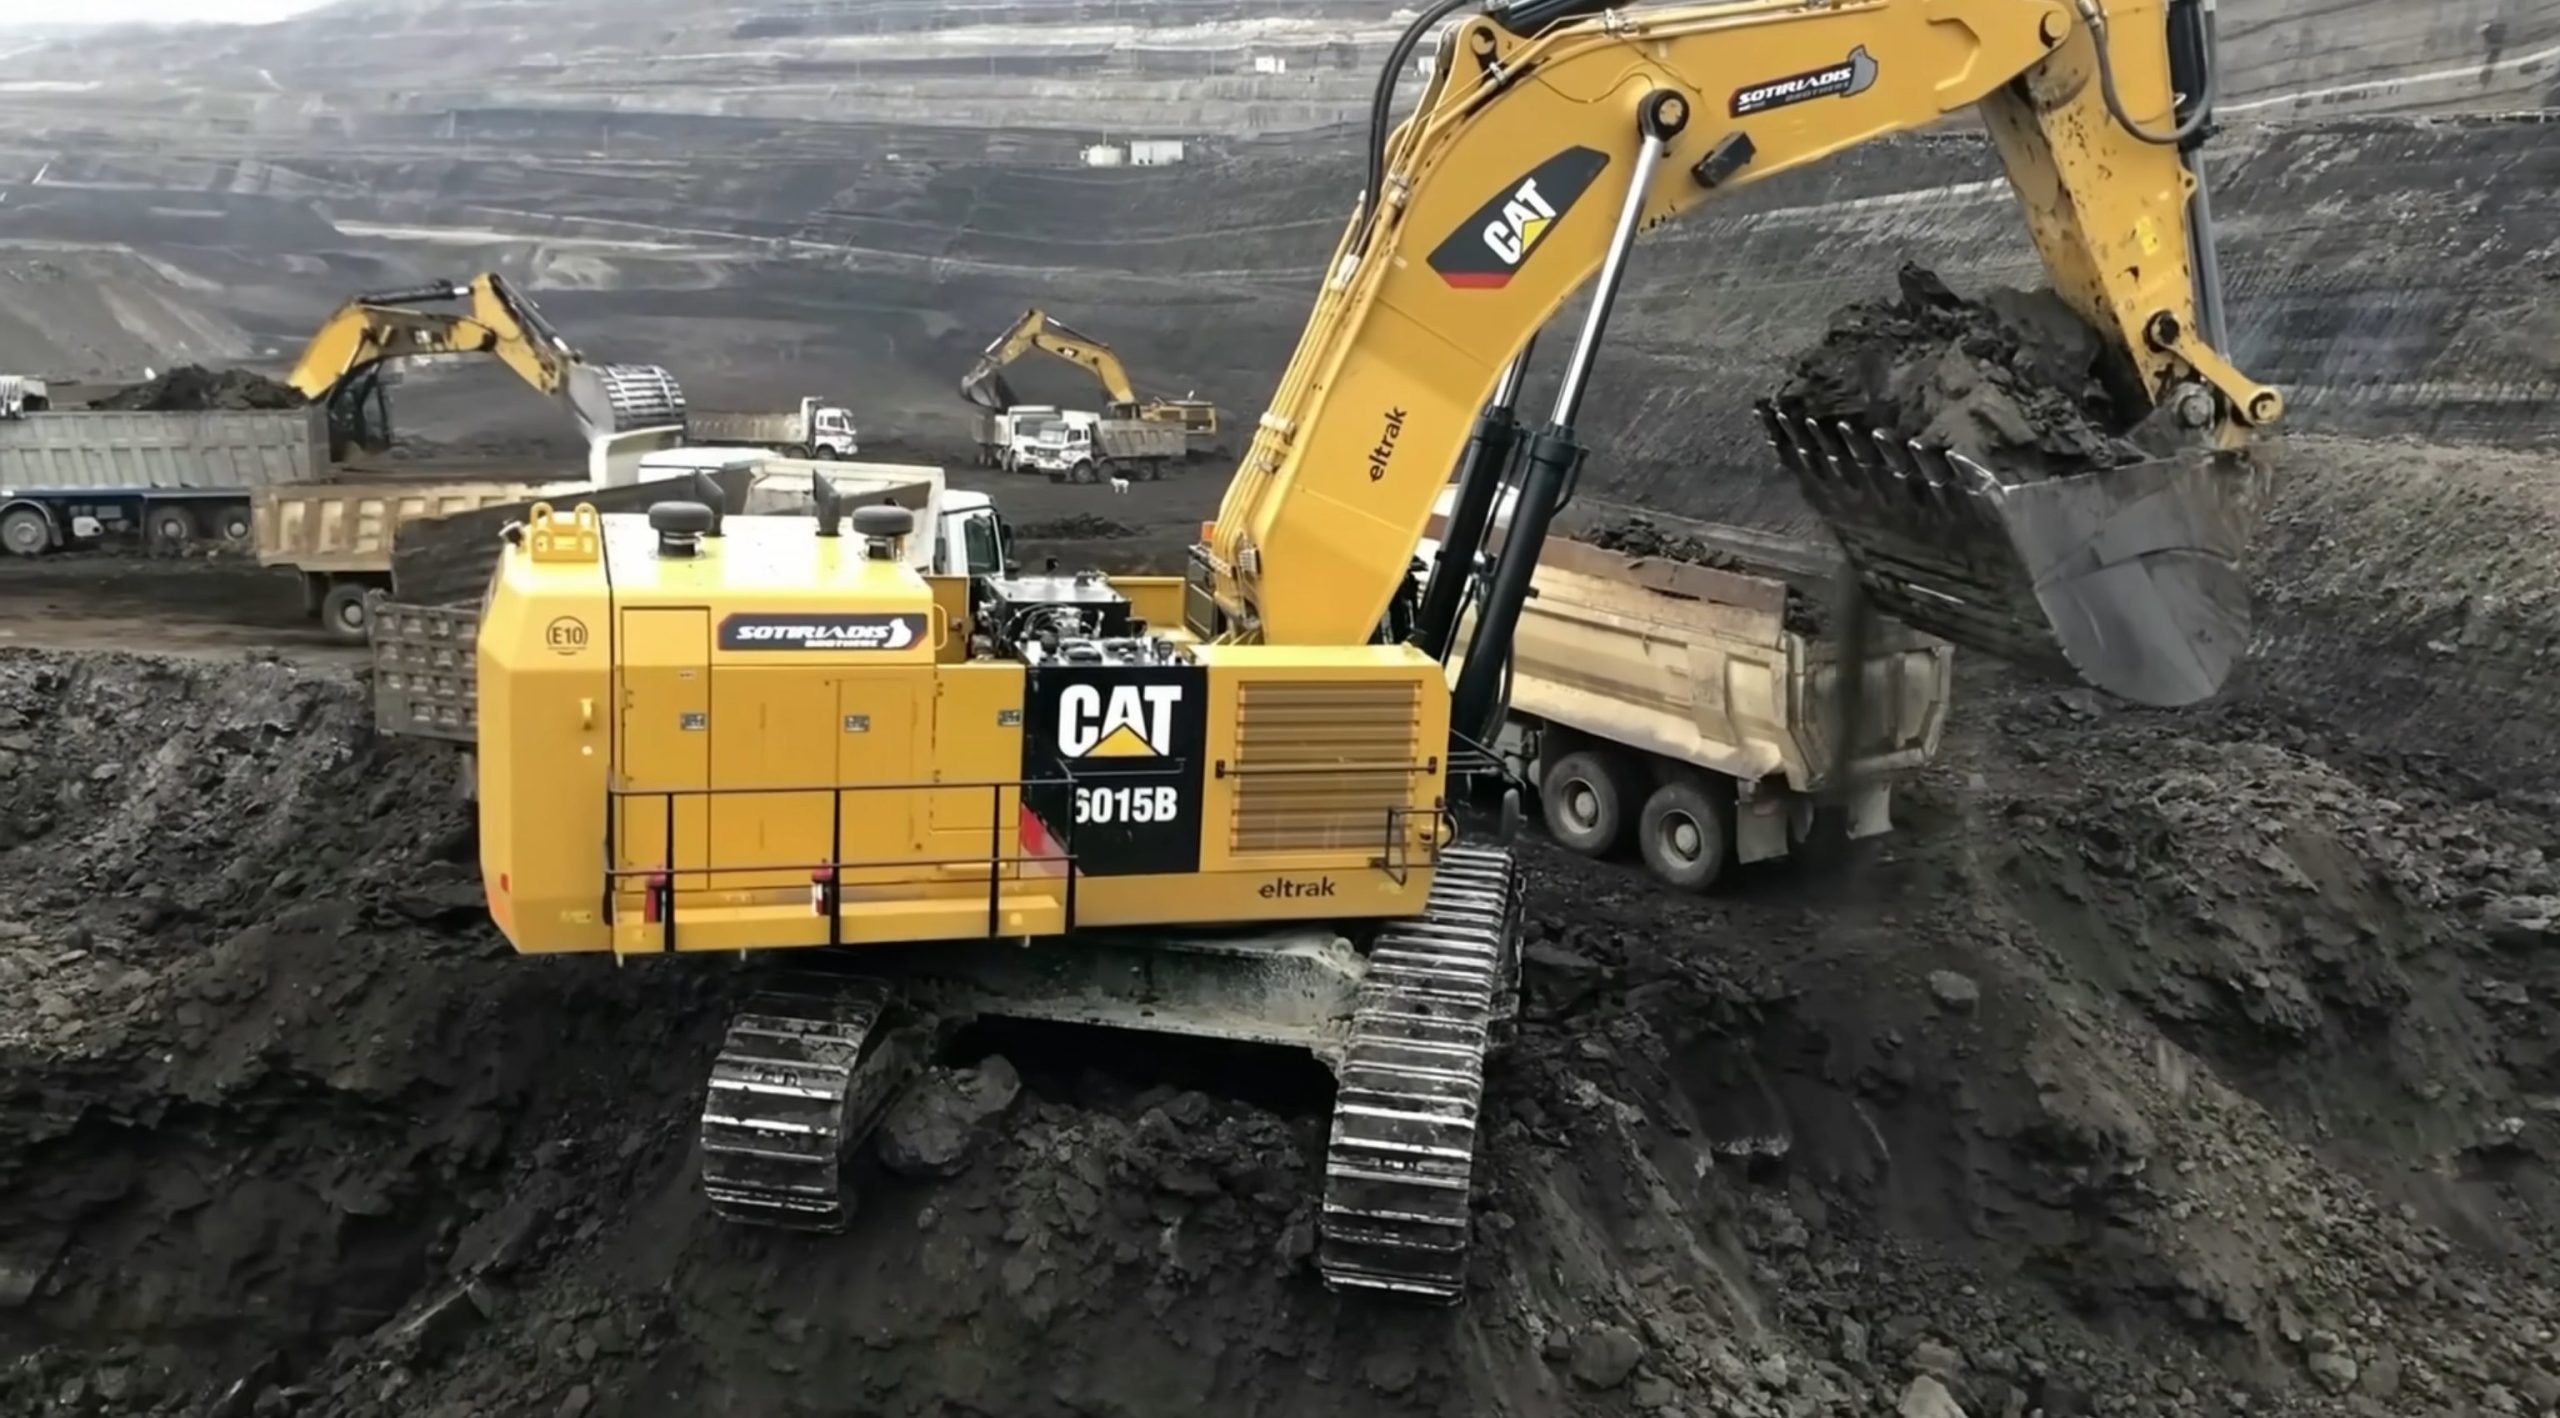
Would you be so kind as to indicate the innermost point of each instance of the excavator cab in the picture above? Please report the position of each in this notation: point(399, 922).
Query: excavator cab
point(2128, 578)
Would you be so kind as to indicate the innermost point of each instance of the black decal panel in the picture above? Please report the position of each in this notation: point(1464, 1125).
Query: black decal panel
point(1853, 75)
point(1133, 739)
point(1489, 246)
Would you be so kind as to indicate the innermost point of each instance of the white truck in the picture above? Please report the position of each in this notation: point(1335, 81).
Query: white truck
point(423, 683)
point(1003, 439)
point(68, 477)
point(1691, 712)
point(815, 429)
point(1090, 448)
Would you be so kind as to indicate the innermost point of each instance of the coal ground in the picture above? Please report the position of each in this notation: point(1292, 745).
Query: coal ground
point(2159, 1064)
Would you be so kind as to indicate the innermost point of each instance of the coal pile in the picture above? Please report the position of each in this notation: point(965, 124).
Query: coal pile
point(2157, 1065)
point(1075, 527)
point(2014, 377)
point(1641, 537)
point(193, 388)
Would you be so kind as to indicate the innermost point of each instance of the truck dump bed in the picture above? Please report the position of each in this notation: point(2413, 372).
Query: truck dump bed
point(1702, 666)
point(216, 450)
point(341, 527)
point(745, 426)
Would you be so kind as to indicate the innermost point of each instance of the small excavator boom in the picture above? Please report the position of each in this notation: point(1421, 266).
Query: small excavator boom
point(342, 364)
point(1550, 135)
point(985, 386)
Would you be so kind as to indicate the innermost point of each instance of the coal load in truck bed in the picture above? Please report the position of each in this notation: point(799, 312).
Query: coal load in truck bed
point(192, 388)
point(2012, 379)
point(1642, 537)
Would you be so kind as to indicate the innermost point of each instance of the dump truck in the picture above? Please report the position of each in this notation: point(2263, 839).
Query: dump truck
point(1094, 448)
point(1004, 438)
point(340, 537)
point(72, 476)
point(422, 651)
point(815, 429)
point(1690, 712)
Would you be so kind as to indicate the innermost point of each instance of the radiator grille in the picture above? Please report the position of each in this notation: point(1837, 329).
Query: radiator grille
point(1321, 764)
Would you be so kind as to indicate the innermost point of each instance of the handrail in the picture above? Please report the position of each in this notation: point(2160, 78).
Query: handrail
point(827, 877)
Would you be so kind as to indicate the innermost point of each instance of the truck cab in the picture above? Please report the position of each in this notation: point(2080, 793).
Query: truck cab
point(830, 430)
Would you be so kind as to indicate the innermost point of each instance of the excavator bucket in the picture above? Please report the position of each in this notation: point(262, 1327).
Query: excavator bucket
point(2129, 579)
point(623, 398)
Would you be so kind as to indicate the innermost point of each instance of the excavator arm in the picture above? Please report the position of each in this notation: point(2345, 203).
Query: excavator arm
point(1037, 330)
point(1547, 139)
point(984, 384)
point(341, 365)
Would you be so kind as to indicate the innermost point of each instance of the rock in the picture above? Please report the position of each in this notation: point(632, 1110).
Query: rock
point(1391, 1371)
point(441, 1327)
point(1931, 1357)
point(1604, 1356)
point(578, 1401)
point(1928, 1398)
point(2333, 1370)
point(1955, 992)
point(935, 1125)
point(2523, 922)
point(1852, 1342)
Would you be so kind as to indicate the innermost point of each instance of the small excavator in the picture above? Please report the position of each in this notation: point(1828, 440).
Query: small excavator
point(345, 362)
point(985, 386)
point(1222, 804)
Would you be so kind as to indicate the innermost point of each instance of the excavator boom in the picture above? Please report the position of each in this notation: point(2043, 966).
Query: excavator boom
point(1510, 188)
point(341, 365)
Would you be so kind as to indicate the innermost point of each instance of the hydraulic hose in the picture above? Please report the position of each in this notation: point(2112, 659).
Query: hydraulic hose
point(1383, 99)
point(2210, 92)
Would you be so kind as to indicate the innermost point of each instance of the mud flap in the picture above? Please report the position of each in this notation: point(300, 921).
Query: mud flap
point(2130, 579)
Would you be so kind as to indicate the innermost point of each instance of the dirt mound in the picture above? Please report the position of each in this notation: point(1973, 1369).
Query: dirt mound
point(1641, 536)
point(191, 387)
point(2157, 1066)
point(1075, 527)
point(2014, 375)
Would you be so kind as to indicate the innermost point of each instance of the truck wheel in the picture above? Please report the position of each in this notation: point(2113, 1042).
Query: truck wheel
point(172, 527)
point(1584, 797)
point(236, 525)
point(26, 532)
point(342, 612)
point(1683, 834)
point(826, 454)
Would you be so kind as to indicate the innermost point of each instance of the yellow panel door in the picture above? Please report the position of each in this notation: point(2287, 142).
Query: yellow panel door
point(877, 762)
point(773, 761)
point(663, 752)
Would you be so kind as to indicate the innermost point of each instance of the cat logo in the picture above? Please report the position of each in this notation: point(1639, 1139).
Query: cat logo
point(1488, 246)
point(1131, 721)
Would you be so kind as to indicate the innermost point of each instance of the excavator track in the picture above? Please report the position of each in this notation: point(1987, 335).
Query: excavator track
point(804, 1073)
point(1440, 988)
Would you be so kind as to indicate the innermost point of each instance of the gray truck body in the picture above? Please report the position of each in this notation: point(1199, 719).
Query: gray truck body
point(74, 474)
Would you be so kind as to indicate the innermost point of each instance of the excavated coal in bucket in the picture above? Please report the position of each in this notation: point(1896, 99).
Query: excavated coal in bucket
point(2013, 379)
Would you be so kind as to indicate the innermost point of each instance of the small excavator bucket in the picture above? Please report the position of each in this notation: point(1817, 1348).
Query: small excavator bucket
point(2129, 579)
point(624, 398)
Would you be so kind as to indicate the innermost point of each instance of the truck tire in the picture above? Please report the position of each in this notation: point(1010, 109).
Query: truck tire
point(342, 612)
point(1684, 834)
point(1585, 799)
point(172, 527)
point(825, 454)
point(236, 525)
point(26, 531)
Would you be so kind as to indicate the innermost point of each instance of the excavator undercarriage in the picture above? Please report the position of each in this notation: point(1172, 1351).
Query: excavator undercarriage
point(809, 1067)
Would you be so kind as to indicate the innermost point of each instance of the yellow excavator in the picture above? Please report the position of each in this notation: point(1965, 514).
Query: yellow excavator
point(985, 386)
point(1221, 804)
point(345, 361)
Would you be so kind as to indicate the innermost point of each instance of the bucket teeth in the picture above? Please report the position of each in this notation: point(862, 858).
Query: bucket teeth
point(2128, 578)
